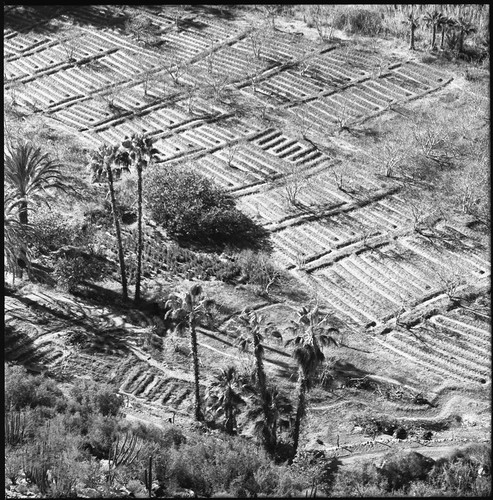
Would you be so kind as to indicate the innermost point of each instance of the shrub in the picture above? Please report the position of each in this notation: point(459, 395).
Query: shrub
point(258, 269)
point(212, 464)
point(23, 390)
point(191, 208)
point(361, 479)
point(400, 468)
point(53, 230)
point(71, 272)
point(358, 21)
point(92, 397)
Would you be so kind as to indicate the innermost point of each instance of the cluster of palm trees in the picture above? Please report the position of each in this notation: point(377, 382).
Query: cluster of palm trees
point(30, 177)
point(439, 22)
point(106, 165)
point(271, 409)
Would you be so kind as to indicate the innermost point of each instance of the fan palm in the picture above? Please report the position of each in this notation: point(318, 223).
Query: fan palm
point(412, 21)
point(103, 163)
point(268, 422)
point(224, 398)
point(255, 327)
point(465, 28)
point(184, 313)
point(311, 336)
point(444, 23)
point(141, 153)
point(32, 175)
point(433, 19)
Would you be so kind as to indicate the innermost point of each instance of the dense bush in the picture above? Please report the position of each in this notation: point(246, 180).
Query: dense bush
point(70, 272)
point(358, 21)
point(53, 230)
point(210, 465)
point(192, 208)
point(23, 390)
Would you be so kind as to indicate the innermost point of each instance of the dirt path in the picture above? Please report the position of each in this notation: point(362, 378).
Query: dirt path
point(429, 451)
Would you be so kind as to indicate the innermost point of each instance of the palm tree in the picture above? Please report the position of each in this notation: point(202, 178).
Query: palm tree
point(267, 423)
point(253, 323)
point(103, 163)
point(185, 312)
point(141, 153)
point(223, 396)
point(15, 233)
point(433, 19)
point(444, 23)
point(31, 174)
point(412, 20)
point(311, 335)
point(465, 28)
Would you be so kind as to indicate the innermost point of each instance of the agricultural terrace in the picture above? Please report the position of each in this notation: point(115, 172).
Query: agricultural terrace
point(361, 158)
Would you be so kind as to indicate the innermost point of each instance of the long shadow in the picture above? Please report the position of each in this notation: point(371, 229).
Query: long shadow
point(100, 337)
point(43, 15)
point(226, 12)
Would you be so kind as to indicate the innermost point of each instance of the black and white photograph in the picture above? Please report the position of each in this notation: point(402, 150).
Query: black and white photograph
point(247, 250)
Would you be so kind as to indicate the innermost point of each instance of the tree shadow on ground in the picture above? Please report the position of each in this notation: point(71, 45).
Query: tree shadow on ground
point(99, 16)
point(224, 12)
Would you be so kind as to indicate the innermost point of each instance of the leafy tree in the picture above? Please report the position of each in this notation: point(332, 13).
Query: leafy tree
point(311, 335)
point(224, 397)
point(185, 312)
point(141, 153)
point(31, 174)
point(102, 165)
point(192, 208)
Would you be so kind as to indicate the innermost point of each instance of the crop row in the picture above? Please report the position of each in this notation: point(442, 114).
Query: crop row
point(277, 47)
point(444, 368)
point(287, 86)
point(293, 151)
point(465, 352)
point(270, 206)
point(144, 383)
point(441, 258)
point(473, 334)
point(438, 358)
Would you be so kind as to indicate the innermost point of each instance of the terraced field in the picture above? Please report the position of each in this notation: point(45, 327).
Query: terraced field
point(353, 245)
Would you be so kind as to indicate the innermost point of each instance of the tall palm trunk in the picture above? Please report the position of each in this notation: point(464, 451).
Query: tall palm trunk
point(23, 212)
point(196, 375)
point(413, 27)
point(433, 36)
point(116, 222)
point(300, 410)
point(139, 231)
point(230, 417)
point(443, 37)
point(269, 436)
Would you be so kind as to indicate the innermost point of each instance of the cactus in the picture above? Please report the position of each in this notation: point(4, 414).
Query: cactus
point(148, 477)
point(15, 427)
